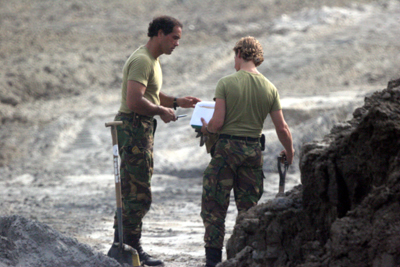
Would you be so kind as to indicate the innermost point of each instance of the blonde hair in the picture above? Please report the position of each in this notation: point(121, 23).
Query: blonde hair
point(250, 49)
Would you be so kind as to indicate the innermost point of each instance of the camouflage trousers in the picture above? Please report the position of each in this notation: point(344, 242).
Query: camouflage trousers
point(135, 144)
point(235, 164)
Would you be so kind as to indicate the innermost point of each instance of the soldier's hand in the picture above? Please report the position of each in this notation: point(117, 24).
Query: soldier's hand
point(289, 155)
point(203, 127)
point(188, 101)
point(167, 114)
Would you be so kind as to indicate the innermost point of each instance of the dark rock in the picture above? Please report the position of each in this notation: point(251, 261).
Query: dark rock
point(346, 212)
point(9, 99)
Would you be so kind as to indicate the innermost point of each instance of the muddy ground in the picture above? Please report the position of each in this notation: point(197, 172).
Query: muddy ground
point(60, 82)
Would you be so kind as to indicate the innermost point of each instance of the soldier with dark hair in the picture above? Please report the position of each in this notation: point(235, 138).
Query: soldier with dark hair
point(242, 102)
point(164, 23)
point(141, 100)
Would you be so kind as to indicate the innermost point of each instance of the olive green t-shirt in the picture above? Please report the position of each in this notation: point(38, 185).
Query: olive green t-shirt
point(142, 67)
point(248, 98)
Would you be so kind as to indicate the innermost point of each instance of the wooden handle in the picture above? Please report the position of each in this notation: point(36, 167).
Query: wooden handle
point(113, 123)
point(118, 194)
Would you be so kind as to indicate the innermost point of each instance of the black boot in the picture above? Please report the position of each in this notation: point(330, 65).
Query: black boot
point(134, 241)
point(213, 257)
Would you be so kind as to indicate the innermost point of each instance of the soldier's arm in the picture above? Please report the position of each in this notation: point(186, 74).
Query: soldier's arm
point(137, 103)
point(284, 134)
point(184, 102)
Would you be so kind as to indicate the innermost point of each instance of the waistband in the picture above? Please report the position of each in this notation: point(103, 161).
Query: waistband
point(134, 115)
point(243, 138)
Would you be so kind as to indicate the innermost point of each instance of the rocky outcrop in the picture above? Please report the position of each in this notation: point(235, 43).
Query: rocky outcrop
point(347, 210)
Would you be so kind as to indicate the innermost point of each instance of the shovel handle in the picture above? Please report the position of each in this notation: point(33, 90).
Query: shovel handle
point(121, 246)
point(117, 177)
point(113, 125)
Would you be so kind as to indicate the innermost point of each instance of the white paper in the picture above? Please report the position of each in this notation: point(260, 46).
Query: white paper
point(204, 109)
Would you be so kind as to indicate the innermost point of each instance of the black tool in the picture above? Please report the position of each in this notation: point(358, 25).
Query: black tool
point(282, 174)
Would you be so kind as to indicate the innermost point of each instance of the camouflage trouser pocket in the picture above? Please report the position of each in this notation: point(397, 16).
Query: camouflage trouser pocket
point(137, 168)
point(212, 186)
point(218, 176)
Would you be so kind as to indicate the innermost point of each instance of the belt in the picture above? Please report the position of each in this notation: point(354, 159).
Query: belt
point(234, 137)
point(134, 115)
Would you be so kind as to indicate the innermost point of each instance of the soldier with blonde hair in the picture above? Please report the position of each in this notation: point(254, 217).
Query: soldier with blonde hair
point(242, 102)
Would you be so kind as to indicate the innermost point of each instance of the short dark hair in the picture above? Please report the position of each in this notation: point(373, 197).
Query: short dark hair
point(164, 23)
